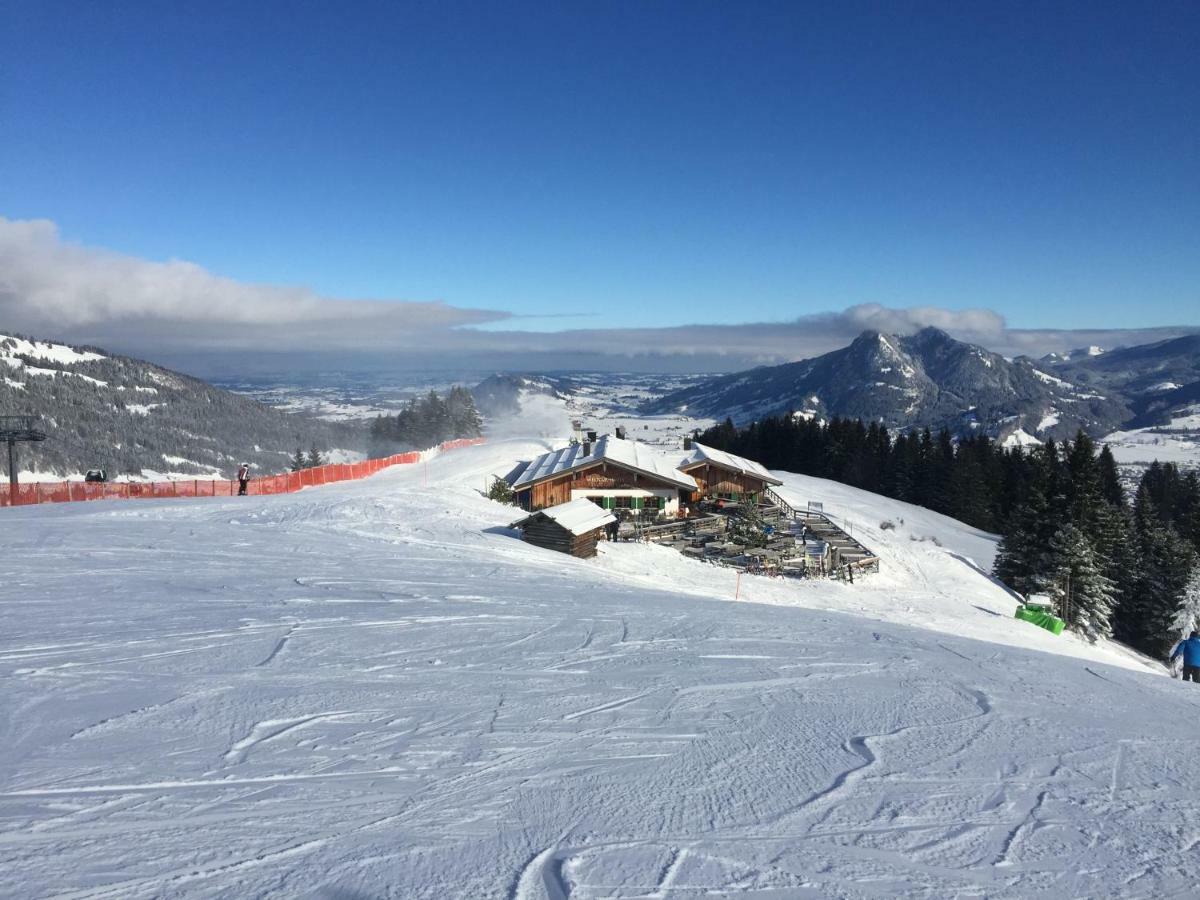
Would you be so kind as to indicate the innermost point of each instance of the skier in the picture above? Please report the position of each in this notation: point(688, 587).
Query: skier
point(243, 478)
point(1189, 649)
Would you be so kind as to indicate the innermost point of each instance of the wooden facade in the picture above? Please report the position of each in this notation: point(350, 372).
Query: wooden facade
point(542, 531)
point(713, 480)
point(600, 476)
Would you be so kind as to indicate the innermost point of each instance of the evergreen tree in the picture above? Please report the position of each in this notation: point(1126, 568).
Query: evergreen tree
point(298, 461)
point(746, 526)
point(1072, 576)
point(500, 491)
point(1018, 561)
point(1187, 618)
point(315, 457)
point(1151, 609)
point(1110, 481)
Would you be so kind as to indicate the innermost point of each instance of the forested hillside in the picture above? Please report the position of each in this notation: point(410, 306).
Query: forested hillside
point(425, 422)
point(133, 418)
point(1113, 567)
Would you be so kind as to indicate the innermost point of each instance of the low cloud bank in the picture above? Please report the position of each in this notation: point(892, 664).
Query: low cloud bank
point(178, 313)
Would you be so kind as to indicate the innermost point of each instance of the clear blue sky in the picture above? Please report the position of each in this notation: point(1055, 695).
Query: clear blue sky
point(665, 163)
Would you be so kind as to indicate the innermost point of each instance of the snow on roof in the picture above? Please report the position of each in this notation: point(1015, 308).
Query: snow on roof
point(577, 516)
point(700, 454)
point(630, 454)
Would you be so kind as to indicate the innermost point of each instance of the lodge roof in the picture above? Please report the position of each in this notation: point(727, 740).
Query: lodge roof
point(701, 454)
point(628, 454)
point(577, 516)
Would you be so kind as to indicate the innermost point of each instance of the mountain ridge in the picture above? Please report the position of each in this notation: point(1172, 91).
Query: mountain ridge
point(137, 419)
point(930, 379)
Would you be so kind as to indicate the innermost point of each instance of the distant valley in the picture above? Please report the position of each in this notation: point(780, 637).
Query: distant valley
point(133, 418)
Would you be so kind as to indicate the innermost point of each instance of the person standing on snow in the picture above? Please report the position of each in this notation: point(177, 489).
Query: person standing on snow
point(1189, 649)
point(243, 479)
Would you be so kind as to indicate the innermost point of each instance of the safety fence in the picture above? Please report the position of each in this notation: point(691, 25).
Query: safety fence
point(71, 491)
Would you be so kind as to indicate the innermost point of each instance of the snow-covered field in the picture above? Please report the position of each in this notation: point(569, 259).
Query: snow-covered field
point(373, 690)
point(1177, 442)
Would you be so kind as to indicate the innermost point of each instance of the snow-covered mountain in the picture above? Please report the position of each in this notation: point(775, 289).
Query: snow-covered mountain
point(501, 394)
point(927, 378)
point(374, 689)
point(136, 419)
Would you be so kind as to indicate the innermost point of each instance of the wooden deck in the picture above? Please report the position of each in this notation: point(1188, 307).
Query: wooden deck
point(805, 544)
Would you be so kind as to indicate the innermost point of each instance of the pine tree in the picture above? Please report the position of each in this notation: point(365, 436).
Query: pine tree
point(315, 457)
point(500, 491)
point(1019, 559)
point(1110, 481)
point(1187, 618)
point(1072, 576)
point(746, 526)
point(298, 461)
point(1152, 607)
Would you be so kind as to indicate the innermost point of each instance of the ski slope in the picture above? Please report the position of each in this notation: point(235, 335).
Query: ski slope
point(373, 690)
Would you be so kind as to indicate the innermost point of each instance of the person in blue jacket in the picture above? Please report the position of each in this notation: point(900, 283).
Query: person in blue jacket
point(1189, 649)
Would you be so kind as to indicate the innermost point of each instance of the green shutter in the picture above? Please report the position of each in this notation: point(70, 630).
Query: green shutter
point(636, 503)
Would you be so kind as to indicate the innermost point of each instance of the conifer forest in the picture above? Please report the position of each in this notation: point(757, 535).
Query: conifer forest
point(1116, 564)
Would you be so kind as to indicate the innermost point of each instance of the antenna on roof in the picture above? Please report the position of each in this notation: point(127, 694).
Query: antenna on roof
point(12, 430)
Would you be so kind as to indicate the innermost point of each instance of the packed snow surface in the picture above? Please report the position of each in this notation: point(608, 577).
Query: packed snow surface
point(375, 690)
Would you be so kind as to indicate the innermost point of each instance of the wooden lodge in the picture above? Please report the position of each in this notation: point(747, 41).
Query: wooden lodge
point(573, 493)
point(724, 476)
point(573, 528)
point(611, 472)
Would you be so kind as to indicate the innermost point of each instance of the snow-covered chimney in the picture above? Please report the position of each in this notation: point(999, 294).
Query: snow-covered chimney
point(687, 443)
point(621, 432)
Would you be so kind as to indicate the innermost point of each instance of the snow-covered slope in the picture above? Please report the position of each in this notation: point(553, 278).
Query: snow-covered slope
point(374, 690)
point(137, 420)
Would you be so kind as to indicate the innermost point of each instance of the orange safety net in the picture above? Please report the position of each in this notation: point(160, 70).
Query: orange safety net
point(288, 483)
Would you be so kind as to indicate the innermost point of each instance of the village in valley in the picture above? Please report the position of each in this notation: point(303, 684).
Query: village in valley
point(710, 505)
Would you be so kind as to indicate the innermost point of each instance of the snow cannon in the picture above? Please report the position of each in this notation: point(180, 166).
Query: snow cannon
point(1038, 610)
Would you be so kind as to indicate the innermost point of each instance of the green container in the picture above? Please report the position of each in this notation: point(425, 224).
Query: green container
point(1037, 617)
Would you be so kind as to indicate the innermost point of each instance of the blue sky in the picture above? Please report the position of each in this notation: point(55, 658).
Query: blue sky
point(642, 164)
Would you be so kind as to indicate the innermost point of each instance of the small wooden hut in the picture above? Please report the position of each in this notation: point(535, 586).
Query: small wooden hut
point(574, 527)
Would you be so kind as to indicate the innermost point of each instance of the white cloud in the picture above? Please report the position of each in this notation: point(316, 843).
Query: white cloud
point(179, 311)
point(48, 285)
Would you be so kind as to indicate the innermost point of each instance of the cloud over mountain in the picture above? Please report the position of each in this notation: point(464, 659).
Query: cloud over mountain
point(51, 286)
point(181, 313)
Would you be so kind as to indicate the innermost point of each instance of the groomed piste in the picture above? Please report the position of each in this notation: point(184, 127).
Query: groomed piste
point(374, 689)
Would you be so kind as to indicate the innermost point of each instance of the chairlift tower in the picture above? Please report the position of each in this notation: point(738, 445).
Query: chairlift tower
point(12, 430)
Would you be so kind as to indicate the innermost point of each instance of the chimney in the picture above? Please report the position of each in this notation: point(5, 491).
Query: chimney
point(621, 432)
point(591, 436)
point(687, 443)
point(577, 428)
point(587, 447)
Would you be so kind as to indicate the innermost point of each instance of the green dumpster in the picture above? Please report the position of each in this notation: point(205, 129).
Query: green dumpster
point(1039, 616)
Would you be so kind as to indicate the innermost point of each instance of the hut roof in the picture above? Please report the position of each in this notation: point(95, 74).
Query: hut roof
point(702, 454)
point(577, 516)
point(629, 454)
